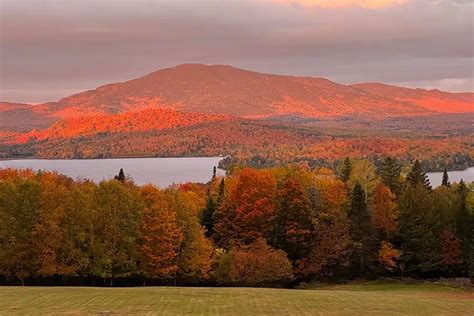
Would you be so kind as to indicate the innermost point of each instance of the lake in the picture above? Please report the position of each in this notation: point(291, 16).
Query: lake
point(159, 171)
point(454, 176)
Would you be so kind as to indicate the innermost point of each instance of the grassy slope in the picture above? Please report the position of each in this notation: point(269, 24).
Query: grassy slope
point(360, 299)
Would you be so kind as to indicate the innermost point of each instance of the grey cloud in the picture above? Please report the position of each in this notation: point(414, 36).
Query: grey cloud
point(63, 46)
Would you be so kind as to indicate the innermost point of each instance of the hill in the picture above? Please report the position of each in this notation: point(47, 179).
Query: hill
point(225, 90)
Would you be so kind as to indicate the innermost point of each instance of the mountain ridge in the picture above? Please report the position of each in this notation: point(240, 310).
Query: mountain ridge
point(227, 90)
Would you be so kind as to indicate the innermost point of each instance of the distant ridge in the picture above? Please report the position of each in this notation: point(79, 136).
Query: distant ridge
point(226, 90)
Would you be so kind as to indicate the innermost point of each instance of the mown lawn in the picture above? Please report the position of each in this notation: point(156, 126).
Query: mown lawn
point(386, 299)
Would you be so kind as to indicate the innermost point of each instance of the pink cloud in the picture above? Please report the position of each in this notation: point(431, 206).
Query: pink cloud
point(368, 4)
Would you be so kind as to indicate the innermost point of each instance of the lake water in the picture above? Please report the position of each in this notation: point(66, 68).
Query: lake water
point(159, 171)
point(454, 176)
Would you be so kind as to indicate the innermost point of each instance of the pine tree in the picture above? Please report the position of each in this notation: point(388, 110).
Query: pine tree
point(212, 204)
point(346, 169)
point(121, 176)
point(390, 174)
point(214, 173)
point(464, 222)
point(220, 192)
point(417, 176)
point(445, 181)
point(361, 229)
point(207, 215)
point(418, 232)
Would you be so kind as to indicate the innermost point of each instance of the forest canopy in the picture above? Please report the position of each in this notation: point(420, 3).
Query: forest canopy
point(254, 227)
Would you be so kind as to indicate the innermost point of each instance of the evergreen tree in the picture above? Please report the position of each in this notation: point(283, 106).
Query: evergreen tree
point(419, 233)
point(390, 174)
point(360, 230)
point(464, 226)
point(214, 173)
point(220, 192)
point(445, 181)
point(346, 169)
point(121, 176)
point(417, 176)
point(207, 215)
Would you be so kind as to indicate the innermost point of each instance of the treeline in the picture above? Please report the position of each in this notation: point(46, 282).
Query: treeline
point(255, 227)
point(276, 145)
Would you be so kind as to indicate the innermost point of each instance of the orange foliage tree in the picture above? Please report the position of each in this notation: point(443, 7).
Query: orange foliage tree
point(248, 211)
point(161, 235)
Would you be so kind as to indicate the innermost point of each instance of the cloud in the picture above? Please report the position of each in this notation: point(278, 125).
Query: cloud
point(368, 4)
point(50, 48)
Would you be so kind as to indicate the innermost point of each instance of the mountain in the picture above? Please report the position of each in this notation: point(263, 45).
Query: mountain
point(225, 90)
point(231, 91)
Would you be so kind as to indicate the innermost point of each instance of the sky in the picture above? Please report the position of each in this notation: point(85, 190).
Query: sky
point(50, 49)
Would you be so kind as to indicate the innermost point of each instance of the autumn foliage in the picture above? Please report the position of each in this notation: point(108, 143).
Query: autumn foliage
point(255, 227)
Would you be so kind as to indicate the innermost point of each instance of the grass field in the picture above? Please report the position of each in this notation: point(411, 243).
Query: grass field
point(365, 299)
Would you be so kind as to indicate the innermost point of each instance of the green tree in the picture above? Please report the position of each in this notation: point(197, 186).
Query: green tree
point(361, 230)
point(445, 181)
point(121, 176)
point(346, 169)
point(418, 232)
point(417, 176)
point(390, 173)
point(464, 222)
point(212, 204)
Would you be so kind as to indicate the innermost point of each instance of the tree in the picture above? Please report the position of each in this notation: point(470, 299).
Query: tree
point(19, 211)
point(390, 174)
point(195, 252)
point(121, 176)
point(346, 170)
point(207, 215)
point(384, 211)
point(255, 265)
point(417, 176)
point(418, 232)
point(61, 248)
point(161, 235)
point(212, 204)
point(248, 210)
point(294, 230)
point(388, 256)
point(365, 174)
point(214, 173)
point(452, 257)
point(361, 229)
point(331, 248)
point(118, 211)
point(464, 222)
point(445, 180)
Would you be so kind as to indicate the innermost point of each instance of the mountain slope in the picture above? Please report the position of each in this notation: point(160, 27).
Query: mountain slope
point(225, 90)
point(231, 91)
point(435, 100)
point(138, 121)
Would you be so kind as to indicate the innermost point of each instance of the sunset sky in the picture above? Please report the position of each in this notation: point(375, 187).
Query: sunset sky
point(50, 49)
